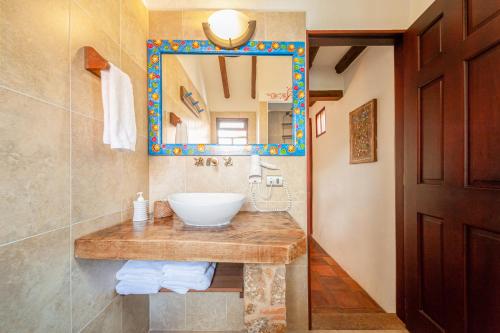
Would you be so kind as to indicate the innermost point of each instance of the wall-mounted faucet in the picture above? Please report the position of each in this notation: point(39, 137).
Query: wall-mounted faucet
point(228, 161)
point(212, 161)
point(198, 161)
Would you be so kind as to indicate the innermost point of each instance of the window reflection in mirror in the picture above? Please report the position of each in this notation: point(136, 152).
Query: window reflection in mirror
point(218, 108)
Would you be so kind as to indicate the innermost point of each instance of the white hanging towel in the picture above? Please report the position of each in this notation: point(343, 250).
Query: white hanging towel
point(118, 104)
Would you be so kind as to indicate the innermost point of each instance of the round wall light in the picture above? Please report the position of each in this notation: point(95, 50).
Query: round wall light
point(229, 28)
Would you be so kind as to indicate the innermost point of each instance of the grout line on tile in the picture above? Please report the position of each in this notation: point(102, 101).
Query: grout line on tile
point(33, 236)
point(182, 24)
point(76, 2)
point(86, 115)
point(59, 106)
point(98, 314)
point(95, 218)
point(70, 172)
point(120, 26)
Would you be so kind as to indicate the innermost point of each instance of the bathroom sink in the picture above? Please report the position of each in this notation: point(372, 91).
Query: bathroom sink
point(206, 209)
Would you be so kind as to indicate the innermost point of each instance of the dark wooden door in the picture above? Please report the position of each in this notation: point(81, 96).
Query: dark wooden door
point(452, 168)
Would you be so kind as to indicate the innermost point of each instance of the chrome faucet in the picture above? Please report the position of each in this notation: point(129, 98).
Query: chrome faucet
point(198, 161)
point(228, 161)
point(212, 161)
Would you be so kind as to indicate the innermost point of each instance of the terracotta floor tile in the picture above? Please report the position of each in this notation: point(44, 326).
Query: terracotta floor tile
point(324, 270)
point(333, 290)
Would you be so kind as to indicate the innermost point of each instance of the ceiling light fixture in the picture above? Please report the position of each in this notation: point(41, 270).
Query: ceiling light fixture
point(229, 28)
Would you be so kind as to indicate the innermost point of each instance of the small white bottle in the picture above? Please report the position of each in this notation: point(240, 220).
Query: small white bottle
point(141, 208)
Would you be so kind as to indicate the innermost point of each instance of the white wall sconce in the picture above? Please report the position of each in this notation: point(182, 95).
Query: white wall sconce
point(229, 28)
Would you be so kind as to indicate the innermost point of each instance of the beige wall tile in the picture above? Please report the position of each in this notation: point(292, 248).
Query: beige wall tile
point(134, 30)
point(187, 24)
point(293, 169)
point(165, 25)
point(85, 86)
point(286, 26)
point(34, 44)
point(299, 213)
point(135, 314)
point(167, 175)
point(191, 23)
point(34, 181)
point(34, 289)
point(93, 281)
point(235, 312)
point(196, 312)
point(260, 30)
point(138, 77)
point(135, 173)
point(106, 12)
point(167, 311)
point(96, 180)
point(206, 311)
point(296, 297)
point(109, 321)
point(205, 179)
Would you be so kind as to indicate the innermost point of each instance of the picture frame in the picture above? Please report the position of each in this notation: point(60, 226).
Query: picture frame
point(363, 133)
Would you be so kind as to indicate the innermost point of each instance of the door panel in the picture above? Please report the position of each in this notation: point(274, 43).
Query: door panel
point(480, 12)
point(483, 305)
point(483, 79)
point(452, 168)
point(431, 268)
point(431, 132)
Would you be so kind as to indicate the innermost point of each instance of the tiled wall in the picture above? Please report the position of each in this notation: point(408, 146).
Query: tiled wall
point(178, 174)
point(57, 180)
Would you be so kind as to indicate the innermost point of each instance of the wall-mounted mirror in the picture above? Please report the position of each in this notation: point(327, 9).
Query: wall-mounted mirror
point(207, 101)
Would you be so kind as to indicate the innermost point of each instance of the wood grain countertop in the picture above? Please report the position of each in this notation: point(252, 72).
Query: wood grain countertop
point(250, 238)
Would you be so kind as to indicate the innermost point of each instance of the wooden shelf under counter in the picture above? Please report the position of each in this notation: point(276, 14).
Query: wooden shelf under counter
point(228, 277)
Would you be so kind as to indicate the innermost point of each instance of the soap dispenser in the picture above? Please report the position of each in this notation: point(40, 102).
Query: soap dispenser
point(141, 208)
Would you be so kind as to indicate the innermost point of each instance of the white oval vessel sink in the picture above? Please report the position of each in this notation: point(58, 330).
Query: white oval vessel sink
point(206, 209)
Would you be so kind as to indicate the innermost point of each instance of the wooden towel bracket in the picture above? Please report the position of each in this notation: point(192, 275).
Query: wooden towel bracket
point(94, 62)
point(174, 119)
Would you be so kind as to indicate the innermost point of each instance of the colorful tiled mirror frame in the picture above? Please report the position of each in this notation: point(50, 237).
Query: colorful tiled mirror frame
point(259, 48)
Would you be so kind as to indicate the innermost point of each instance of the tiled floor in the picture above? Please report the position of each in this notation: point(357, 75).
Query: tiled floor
point(338, 302)
point(333, 290)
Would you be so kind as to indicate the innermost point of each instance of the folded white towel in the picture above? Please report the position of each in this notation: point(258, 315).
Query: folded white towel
point(188, 276)
point(181, 285)
point(192, 267)
point(140, 270)
point(118, 104)
point(137, 288)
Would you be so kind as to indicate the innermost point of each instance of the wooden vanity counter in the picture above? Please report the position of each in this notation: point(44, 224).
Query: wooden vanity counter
point(264, 238)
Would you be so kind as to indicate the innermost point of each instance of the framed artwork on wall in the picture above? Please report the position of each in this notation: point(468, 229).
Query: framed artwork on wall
point(363, 133)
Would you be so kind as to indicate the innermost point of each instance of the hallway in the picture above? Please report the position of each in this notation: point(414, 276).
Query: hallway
point(338, 302)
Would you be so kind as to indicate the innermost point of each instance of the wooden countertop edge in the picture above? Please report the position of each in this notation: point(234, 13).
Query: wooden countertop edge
point(99, 249)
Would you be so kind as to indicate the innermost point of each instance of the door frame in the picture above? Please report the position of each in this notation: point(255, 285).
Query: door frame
point(367, 38)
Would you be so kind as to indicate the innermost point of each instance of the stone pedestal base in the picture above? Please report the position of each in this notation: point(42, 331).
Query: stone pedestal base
point(265, 306)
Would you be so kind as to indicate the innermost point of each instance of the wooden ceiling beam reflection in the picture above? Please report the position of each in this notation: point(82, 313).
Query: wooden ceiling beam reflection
point(254, 75)
point(324, 95)
point(313, 51)
point(348, 58)
point(223, 74)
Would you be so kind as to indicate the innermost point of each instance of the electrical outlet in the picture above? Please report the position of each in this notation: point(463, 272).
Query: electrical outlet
point(274, 181)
